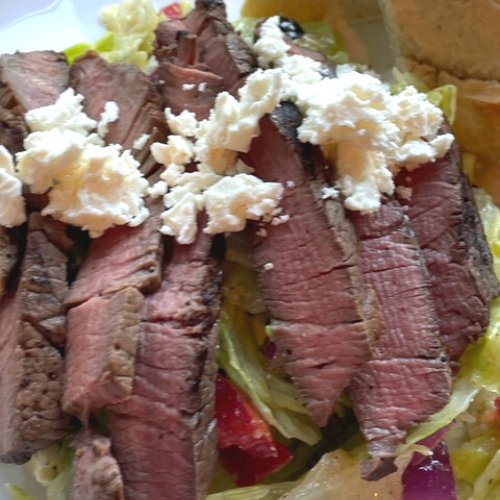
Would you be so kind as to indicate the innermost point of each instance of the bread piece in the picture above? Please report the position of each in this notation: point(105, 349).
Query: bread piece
point(461, 37)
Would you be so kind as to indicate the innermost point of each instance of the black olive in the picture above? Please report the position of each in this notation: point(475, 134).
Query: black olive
point(291, 28)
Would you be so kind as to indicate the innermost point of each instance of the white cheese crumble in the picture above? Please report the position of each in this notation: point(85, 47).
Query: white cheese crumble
point(67, 113)
point(269, 266)
point(110, 114)
point(178, 150)
point(188, 86)
point(109, 191)
point(329, 193)
point(375, 133)
point(12, 208)
point(184, 124)
point(140, 142)
point(202, 87)
point(89, 185)
point(233, 123)
point(223, 185)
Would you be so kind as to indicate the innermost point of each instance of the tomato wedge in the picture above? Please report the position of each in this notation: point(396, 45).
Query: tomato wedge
point(248, 449)
point(173, 10)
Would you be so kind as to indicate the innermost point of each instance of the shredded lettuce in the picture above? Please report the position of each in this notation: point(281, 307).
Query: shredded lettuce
point(272, 393)
point(17, 493)
point(130, 35)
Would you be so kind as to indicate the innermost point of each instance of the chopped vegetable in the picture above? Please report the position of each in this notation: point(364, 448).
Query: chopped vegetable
point(130, 36)
point(17, 493)
point(249, 469)
point(240, 424)
point(430, 479)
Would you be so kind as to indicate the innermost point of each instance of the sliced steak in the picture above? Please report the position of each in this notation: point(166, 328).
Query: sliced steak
point(102, 343)
point(141, 110)
point(170, 415)
point(122, 257)
point(96, 475)
point(31, 369)
point(44, 287)
point(8, 256)
point(188, 88)
point(32, 79)
point(446, 222)
point(221, 48)
point(310, 270)
point(410, 377)
point(13, 130)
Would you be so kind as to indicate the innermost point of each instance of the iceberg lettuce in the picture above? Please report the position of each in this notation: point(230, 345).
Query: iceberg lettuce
point(130, 35)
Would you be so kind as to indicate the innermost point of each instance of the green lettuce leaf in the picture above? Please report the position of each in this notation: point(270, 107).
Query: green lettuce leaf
point(272, 393)
point(130, 35)
point(17, 493)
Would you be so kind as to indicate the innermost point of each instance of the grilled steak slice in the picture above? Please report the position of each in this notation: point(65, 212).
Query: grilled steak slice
point(171, 411)
point(32, 79)
point(43, 280)
point(31, 368)
point(309, 270)
point(13, 130)
point(122, 257)
point(455, 248)
point(199, 95)
point(102, 343)
point(96, 475)
point(140, 105)
point(221, 48)
point(410, 377)
point(8, 256)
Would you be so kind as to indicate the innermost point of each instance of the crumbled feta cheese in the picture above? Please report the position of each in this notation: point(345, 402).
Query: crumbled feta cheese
point(184, 124)
point(357, 113)
point(50, 155)
point(329, 192)
point(269, 266)
point(88, 185)
point(233, 123)
point(281, 219)
point(67, 113)
point(151, 66)
point(12, 209)
point(228, 201)
point(110, 114)
point(158, 190)
point(106, 188)
point(140, 142)
point(180, 220)
point(188, 86)
point(363, 175)
point(233, 200)
point(290, 184)
point(271, 46)
point(178, 150)
point(240, 167)
point(202, 87)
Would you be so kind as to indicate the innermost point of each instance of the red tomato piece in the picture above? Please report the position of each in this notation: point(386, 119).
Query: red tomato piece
point(240, 424)
point(497, 406)
point(248, 470)
point(173, 10)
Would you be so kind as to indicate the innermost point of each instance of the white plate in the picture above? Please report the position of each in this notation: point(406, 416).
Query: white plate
point(53, 24)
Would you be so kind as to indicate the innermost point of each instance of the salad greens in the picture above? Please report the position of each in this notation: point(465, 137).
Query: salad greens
point(474, 439)
point(130, 35)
